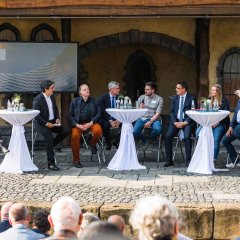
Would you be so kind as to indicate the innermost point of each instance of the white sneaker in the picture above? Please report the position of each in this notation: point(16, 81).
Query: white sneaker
point(230, 165)
point(238, 165)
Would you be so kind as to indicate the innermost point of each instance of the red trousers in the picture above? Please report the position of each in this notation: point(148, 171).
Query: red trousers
point(76, 136)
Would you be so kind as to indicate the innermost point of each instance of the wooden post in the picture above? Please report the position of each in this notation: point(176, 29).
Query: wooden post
point(65, 97)
point(202, 56)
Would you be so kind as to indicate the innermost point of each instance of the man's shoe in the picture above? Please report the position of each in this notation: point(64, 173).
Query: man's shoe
point(94, 149)
point(4, 150)
point(115, 144)
point(231, 165)
point(168, 164)
point(77, 165)
point(108, 147)
point(53, 167)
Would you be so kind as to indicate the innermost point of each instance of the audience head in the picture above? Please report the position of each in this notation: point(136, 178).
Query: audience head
point(18, 213)
point(181, 88)
point(5, 210)
point(84, 90)
point(154, 218)
point(150, 88)
point(118, 221)
point(40, 220)
point(114, 88)
point(45, 85)
point(101, 231)
point(216, 93)
point(88, 218)
point(65, 215)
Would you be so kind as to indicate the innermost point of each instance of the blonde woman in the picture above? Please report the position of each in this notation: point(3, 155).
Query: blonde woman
point(220, 128)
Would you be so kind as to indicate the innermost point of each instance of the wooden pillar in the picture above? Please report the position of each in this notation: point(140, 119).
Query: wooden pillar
point(65, 97)
point(202, 56)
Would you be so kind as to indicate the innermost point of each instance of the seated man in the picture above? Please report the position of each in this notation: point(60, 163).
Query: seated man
point(232, 134)
point(108, 100)
point(83, 115)
point(47, 121)
point(4, 224)
point(180, 121)
point(151, 120)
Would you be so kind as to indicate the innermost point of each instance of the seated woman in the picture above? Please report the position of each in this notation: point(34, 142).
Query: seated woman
point(84, 115)
point(220, 128)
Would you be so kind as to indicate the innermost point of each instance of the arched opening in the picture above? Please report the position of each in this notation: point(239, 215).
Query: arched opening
point(139, 70)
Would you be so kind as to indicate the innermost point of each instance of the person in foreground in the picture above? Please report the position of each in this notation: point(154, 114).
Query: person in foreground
point(19, 219)
point(118, 221)
point(232, 134)
point(48, 121)
point(108, 100)
point(65, 218)
point(151, 120)
point(40, 222)
point(155, 218)
point(219, 129)
point(180, 121)
point(84, 115)
point(5, 225)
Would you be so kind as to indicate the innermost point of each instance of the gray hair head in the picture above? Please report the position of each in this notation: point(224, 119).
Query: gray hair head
point(18, 212)
point(88, 218)
point(154, 217)
point(65, 213)
point(112, 84)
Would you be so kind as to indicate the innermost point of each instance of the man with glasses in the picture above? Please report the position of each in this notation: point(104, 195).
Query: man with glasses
point(151, 120)
point(180, 121)
point(108, 100)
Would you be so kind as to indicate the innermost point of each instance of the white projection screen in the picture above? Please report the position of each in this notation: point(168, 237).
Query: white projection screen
point(24, 65)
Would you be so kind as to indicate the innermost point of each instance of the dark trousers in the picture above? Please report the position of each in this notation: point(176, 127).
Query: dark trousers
point(227, 142)
point(51, 142)
point(171, 133)
point(107, 134)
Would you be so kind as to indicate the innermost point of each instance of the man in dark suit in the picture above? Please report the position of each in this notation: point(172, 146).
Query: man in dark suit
point(5, 225)
point(232, 134)
point(108, 100)
point(180, 121)
point(47, 121)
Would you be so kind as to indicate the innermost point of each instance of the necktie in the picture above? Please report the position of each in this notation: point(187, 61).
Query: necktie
point(181, 110)
point(113, 102)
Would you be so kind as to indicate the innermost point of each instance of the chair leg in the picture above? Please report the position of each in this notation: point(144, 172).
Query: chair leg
point(180, 144)
point(175, 149)
point(235, 162)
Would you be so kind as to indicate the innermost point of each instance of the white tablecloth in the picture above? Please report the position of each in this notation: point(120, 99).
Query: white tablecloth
point(18, 160)
point(202, 159)
point(126, 157)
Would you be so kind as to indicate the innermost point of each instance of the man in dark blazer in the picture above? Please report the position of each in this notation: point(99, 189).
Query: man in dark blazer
point(232, 134)
point(180, 121)
point(4, 224)
point(47, 121)
point(108, 100)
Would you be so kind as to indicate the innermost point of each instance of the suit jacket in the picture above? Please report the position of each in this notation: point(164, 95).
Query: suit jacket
point(20, 231)
point(225, 106)
point(104, 102)
point(40, 103)
point(74, 110)
point(187, 106)
point(4, 225)
point(234, 119)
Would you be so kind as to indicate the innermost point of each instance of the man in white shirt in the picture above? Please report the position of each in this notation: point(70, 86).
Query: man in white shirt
point(47, 121)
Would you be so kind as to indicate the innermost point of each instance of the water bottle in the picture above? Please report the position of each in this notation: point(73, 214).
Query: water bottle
point(121, 104)
point(129, 104)
point(9, 105)
point(193, 105)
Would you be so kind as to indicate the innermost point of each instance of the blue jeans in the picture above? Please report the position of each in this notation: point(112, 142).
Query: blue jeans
point(156, 128)
point(227, 142)
point(218, 133)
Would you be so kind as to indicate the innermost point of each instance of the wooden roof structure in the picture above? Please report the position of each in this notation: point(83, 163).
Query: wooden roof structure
point(118, 8)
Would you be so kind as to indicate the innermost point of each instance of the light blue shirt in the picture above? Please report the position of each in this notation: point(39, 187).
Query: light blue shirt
point(179, 106)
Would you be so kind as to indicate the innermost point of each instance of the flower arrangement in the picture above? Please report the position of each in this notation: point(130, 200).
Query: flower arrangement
point(206, 104)
point(16, 98)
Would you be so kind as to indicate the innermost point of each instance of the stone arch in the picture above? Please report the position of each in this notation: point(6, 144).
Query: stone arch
point(135, 36)
point(134, 85)
point(13, 29)
point(42, 27)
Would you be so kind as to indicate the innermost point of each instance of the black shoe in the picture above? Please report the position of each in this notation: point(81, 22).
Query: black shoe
point(77, 165)
point(168, 164)
point(53, 167)
point(108, 147)
point(115, 144)
point(94, 149)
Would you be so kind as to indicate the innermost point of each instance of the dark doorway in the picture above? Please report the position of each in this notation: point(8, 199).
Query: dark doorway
point(140, 69)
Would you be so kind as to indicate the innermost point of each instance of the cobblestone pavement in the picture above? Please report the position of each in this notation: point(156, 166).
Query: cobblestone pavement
point(96, 184)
